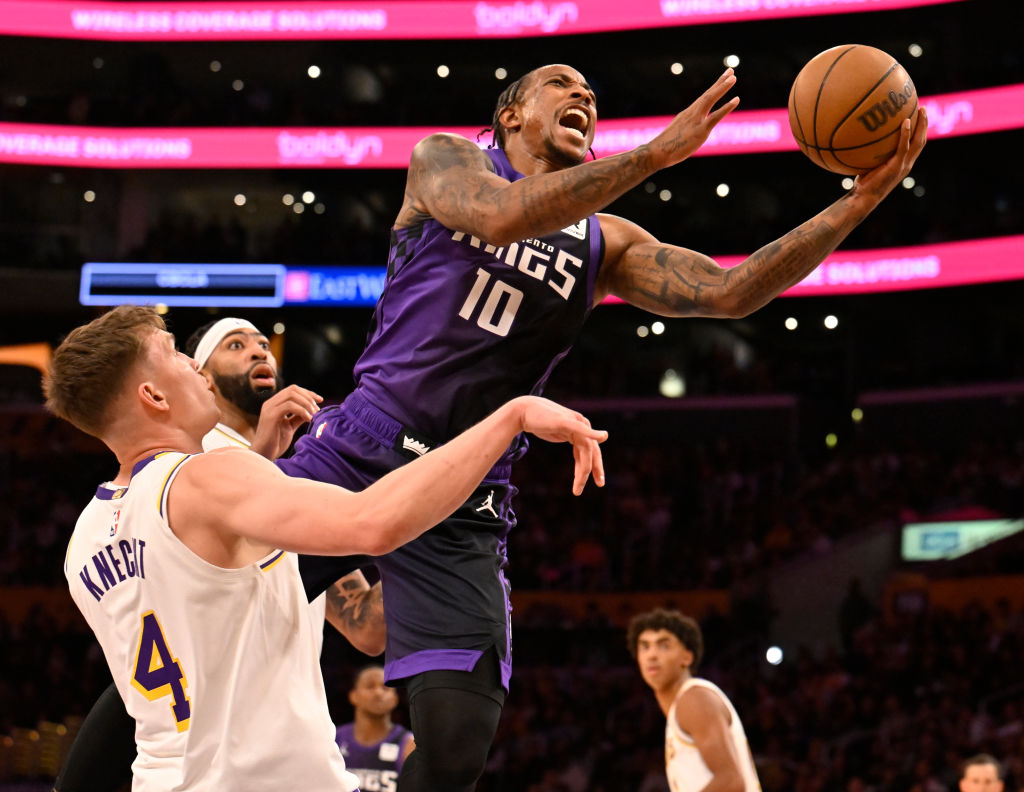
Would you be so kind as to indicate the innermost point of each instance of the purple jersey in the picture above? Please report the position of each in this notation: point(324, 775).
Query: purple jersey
point(376, 765)
point(463, 326)
point(460, 328)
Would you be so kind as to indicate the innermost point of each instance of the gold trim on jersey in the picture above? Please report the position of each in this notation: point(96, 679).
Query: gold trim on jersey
point(232, 438)
point(162, 499)
point(273, 561)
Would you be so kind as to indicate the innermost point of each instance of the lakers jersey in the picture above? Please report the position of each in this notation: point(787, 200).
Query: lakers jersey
point(218, 667)
point(223, 436)
point(684, 766)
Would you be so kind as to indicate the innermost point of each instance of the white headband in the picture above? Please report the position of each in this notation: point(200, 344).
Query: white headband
point(216, 334)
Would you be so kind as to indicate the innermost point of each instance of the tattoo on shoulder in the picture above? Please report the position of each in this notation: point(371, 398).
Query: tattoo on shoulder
point(447, 152)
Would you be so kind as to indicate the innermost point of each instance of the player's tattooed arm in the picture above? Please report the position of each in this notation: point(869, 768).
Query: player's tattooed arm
point(356, 610)
point(674, 281)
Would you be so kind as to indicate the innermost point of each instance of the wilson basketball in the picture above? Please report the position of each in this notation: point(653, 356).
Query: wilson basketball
point(846, 106)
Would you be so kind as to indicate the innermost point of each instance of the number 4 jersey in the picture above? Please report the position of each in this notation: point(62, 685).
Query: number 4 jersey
point(218, 667)
point(462, 326)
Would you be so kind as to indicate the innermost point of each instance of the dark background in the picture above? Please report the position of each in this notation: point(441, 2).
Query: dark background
point(722, 497)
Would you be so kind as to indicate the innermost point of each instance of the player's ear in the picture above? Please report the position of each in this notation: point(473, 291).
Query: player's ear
point(151, 397)
point(686, 658)
point(511, 118)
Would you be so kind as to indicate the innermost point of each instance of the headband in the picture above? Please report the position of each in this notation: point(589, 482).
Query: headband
point(216, 334)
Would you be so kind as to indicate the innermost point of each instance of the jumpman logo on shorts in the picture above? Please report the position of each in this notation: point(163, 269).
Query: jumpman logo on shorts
point(488, 504)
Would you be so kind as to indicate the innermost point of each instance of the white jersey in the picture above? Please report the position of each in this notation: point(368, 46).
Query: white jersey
point(223, 436)
point(218, 667)
point(684, 765)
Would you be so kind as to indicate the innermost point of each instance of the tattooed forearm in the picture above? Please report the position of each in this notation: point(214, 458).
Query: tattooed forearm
point(781, 264)
point(677, 282)
point(356, 610)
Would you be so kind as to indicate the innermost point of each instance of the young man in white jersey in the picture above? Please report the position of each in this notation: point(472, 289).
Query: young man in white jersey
point(706, 748)
point(185, 568)
point(235, 358)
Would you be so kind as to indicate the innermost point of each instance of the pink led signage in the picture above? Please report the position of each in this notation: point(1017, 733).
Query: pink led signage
point(966, 113)
point(392, 19)
point(920, 267)
point(902, 269)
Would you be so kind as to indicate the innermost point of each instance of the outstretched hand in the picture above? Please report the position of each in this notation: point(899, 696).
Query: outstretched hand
point(688, 130)
point(879, 182)
point(280, 416)
point(557, 424)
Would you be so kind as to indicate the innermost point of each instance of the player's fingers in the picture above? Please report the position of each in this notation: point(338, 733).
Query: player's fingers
point(718, 89)
point(717, 115)
point(597, 466)
point(582, 456)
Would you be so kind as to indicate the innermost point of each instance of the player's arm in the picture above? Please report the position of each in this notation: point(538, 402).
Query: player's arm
point(356, 610)
point(409, 746)
point(702, 714)
point(674, 281)
point(230, 495)
point(452, 180)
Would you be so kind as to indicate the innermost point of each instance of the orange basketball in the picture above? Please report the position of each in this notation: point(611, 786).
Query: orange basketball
point(846, 106)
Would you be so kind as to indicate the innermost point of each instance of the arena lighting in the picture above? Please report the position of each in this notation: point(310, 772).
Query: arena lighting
point(743, 132)
point(393, 19)
point(272, 285)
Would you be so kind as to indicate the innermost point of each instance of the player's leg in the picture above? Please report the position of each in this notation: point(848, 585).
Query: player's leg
point(100, 759)
point(454, 717)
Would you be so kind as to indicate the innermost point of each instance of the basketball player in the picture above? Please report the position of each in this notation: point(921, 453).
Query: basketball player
point(981, 773)
point(705, 746)
point(185, 567)
point(373, 745)
point(235, 359)
point(497, 258)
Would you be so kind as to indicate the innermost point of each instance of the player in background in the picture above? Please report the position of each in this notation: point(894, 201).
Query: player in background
point(981, 773)
point(373, 745)
point(184, 567)
point(706, 748)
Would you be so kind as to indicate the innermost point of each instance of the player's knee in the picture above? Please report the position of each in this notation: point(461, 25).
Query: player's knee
point(459, 771)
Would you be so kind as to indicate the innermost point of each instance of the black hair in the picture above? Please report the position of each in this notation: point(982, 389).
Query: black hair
point(507, 98)
point(193, 340)
point(683, 627)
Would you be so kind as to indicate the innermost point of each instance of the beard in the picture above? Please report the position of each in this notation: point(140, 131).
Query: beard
point(238, 390)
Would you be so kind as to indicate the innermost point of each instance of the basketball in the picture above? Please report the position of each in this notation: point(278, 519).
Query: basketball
point(846, 106)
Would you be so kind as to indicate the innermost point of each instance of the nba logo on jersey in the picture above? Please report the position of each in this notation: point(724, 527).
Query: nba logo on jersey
point(320, 429)
point(113, 523)
point(577, 230)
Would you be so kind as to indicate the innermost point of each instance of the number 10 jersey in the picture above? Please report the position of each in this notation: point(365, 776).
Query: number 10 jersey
point(462, 325)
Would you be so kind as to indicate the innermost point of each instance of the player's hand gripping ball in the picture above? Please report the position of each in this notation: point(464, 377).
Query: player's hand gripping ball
point(846, 106)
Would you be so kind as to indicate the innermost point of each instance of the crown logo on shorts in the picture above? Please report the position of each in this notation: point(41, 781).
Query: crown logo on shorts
point(415, 446)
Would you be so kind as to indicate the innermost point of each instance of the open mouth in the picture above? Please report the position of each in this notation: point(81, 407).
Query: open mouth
point(262, 376)
point(576, 121)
